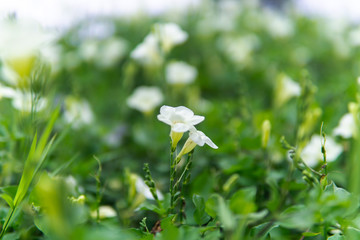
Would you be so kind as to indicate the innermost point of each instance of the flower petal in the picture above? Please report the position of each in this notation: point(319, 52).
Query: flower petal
point(185, 112)
point(166, 110)
point(210, 143)
point(180, 127)
point(164, 119)
point(196, 119)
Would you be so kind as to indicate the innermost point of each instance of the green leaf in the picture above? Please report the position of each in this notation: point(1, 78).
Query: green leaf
point(226, 217)
point(336, 237)
point(169, 231)
point(310, 234)
point(242, 202)
point(211, 205)
point(297, 217)
point(200, 215)
point(8, 199)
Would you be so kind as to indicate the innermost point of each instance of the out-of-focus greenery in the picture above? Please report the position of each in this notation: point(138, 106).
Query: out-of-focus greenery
point(266, 80)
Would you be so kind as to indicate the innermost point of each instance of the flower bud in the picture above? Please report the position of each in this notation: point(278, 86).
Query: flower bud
point(265, 136)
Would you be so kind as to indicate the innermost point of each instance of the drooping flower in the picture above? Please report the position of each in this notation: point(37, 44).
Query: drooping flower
point(169, 35)
point(196, 137)
point(145, 99)
point(180, 73)
point(347, 126)
point(148, 53)
point(311, 154)
point(181, 119)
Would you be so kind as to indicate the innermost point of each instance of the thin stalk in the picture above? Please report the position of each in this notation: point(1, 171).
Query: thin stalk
point(172, 178)
point(6, 224)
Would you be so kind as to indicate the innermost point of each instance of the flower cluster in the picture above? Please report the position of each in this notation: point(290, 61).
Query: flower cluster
point(181, 119)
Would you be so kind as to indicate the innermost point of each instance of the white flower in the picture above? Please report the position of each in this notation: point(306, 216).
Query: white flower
point(143, 189)
point(169, 35)
point(148, 52)
point(196, 137)
point(180, 73)
point(286, 88)
point(26, 102)
point(77, 112)
point(181, 119)
point(347, 126)
point(20, 44)
point(6, 92)
point(311, 154)
point(111, 51)
point(104, 212)
point(145, 99)
point(277, 25)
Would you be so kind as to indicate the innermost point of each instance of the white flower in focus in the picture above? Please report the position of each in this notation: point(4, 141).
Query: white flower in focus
point(347, 126)
point(169, 35)
point(26, 102)
point(196, 137)
point(180, 73)
point(311, 154)
point(143, 189)
point(145, 99)
point(104, 212)
point(77, 112)
point(181, 119)
point(286, 88)
point(148, 52)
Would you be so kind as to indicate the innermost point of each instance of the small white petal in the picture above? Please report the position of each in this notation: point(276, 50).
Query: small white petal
point(197, 119)
point(210, 143)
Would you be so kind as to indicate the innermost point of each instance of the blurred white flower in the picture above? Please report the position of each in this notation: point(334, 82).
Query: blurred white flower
point(148, 52)
point(27, 102)
point(180, 73)
point(347, 126)
point(111, 50)
point(77, 112)
point(6, 92)
point(239, 49)
point(277, 25)
point(311, 154)
point(354, 37)
point(143, 189)
point(104, 212)
point(145, 99)
point(285, 89)
point(169, 35)
point(20, 44)
point(88, 50)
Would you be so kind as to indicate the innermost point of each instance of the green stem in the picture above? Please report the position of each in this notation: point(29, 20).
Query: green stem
point(6, 224)
point(172, 177)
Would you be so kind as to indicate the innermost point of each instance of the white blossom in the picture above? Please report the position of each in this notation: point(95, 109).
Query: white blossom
point(347, 126)
point(180, 73)
point(286, 88)
point(181, 119)
point(196, 137)
point(169, 35)
point(145, 99)
point(77, 112)
point(311, 154)
point(104, 212)
point(148, 52)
